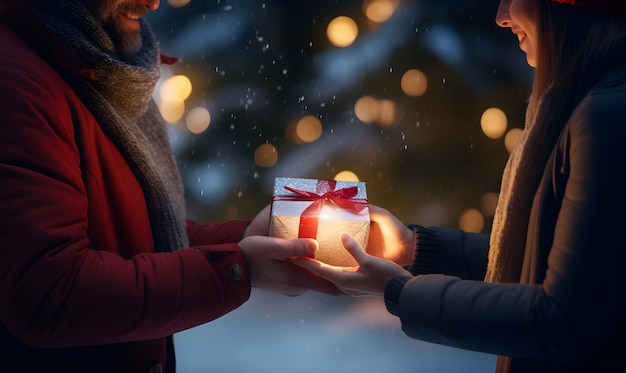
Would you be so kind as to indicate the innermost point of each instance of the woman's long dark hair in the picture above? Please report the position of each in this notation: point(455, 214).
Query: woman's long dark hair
point(577, 46)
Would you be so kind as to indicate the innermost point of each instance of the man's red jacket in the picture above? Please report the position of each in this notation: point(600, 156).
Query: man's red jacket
point(81, 289)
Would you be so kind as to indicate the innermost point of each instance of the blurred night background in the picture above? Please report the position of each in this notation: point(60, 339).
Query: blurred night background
point(420, 99)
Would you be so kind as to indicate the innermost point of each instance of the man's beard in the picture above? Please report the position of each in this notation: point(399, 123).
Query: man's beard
point(126, 42)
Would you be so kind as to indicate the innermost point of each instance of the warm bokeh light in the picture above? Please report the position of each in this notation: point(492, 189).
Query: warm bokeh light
point(387, 113)
point(379, 11)
point(366, 109)
point(384, 112)
point(178, 3)
point(177, 87)
point(198, 120)
point(265, 155)
point(308, 129)
point(346, 176)
point(414, 83)
point(471, 221)
point(511, 138)
point(171, 97)
point(493, 123)
point(172, 110)
point(488, 203)
point(342, 31)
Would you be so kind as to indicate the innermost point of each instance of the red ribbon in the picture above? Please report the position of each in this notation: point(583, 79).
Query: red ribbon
point(324, 193)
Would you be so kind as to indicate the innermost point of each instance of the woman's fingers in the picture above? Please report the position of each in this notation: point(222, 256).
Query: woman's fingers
point(353, 247)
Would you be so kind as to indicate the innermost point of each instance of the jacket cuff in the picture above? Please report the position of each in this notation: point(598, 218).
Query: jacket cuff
point(392, 293)
point(428, 251)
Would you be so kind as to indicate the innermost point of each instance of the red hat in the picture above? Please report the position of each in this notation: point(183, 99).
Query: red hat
point(618, 6)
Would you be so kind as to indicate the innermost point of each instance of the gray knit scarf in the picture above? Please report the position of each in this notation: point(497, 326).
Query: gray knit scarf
point(120, 98)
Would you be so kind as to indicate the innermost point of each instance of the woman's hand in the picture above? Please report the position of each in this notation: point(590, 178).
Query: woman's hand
point(389, 238)
point(369, 278)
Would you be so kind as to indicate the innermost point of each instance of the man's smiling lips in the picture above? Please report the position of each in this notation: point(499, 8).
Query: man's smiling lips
point(131, 18)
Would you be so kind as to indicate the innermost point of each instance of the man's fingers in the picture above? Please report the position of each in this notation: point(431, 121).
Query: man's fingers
point(323, 270)
point(282, 249)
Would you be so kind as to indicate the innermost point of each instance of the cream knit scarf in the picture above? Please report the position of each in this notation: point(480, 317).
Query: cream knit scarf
point(520, 180)
point(120, 98)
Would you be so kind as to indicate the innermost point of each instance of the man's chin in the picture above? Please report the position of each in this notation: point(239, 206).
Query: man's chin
point(128, 46)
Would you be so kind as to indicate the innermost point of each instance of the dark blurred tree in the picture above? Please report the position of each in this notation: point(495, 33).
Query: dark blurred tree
point(257, 66)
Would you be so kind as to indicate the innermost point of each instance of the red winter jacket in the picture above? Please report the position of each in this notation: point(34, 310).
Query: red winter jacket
point(81, 289)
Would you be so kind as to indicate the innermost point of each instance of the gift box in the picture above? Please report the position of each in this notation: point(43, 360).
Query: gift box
point(321, 209)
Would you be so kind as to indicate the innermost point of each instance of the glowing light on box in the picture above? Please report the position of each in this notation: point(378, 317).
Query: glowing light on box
point(414, 83)
point(471, 221)
point(198, 120)
point(172, 110)
point(511, 139)
point(178, 3)
point(366, 109)
point(488, 203)
point(328, 212)
point(308, 129)
point(493, 123)
point(379, 11)
point(321, 209)
point(265, 155)
point(342, 31)
point(346, 176)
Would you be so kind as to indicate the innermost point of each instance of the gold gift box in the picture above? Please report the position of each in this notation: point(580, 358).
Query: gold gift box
point(334, 213)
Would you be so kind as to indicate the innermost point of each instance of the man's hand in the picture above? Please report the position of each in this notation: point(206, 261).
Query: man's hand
point(271, 267)
point(260, 225)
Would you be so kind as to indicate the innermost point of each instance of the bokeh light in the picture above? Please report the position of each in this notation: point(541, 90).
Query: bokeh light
point(171, 97)
point(383, 112)
point(308, 129)
point(177, 87)
point(366, 109)
point(488, 203)
point(178, 3)
point(347, 176)
point(172, 110)
point(493, 123)
point(379, 11)
point(265, 155)
point(511, 138)
point(471, 220)
point(198, 120)
point(414, 83)
point(342, 31)
point(387, 113)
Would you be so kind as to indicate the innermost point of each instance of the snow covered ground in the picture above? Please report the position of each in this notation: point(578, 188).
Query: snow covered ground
point(315, 333)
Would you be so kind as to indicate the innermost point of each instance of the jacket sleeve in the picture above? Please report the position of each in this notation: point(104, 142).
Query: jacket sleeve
point(216, 232)
point(55, 289)
point(574, 311)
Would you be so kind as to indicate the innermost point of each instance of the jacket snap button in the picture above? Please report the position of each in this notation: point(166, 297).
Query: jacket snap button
point(156, 369)
point(235, 272)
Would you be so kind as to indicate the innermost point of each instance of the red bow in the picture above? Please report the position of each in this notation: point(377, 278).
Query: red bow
point(324, 193)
